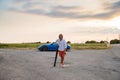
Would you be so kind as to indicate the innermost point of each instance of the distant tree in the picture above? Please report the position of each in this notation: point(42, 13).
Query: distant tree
point(37, 42)
point(92, 41)
point(68, 42)
point(47, 42)
point(102, 41)
point(115, 41)
point(87, 42)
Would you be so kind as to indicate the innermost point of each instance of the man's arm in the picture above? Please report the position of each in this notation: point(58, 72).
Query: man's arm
point(57, 42)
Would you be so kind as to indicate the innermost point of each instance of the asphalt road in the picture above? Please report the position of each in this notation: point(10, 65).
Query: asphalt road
point(83, 65)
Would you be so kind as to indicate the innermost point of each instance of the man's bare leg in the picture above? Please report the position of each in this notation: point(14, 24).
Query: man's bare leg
point(62, 60)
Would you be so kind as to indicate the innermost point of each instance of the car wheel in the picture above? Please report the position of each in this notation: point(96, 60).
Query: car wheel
point(45, 48)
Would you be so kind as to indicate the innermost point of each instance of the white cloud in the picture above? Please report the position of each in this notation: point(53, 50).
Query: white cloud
point(85, 9)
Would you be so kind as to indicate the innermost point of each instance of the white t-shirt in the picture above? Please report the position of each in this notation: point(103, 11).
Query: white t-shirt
point(62, 44)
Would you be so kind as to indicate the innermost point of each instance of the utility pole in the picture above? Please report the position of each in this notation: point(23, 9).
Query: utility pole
point(107, 42)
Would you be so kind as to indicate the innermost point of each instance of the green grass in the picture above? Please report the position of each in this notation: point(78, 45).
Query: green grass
point(91, 46)
point(23, 45)
point(73, 46)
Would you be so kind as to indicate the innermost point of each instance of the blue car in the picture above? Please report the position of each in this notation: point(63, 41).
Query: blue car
point(50, 47)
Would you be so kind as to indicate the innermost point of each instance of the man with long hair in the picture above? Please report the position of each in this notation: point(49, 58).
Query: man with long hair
point(62, 48)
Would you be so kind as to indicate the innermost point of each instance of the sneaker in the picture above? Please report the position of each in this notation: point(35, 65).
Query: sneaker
point(62, 65)
point(65, 65)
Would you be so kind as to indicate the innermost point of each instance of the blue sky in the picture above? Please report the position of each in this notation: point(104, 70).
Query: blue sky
point(43, 20)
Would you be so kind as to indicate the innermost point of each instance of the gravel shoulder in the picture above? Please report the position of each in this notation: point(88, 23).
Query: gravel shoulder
point(84, 65)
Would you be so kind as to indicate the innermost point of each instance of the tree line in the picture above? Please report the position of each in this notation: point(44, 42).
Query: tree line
point(114, 41)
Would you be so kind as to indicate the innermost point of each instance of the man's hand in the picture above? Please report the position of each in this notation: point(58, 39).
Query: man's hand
point(65, 51)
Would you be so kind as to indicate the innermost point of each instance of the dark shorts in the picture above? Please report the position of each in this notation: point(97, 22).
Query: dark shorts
point(61, 53)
